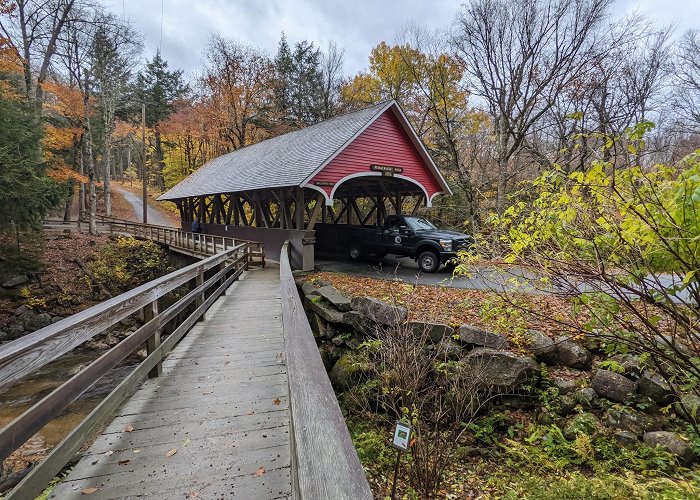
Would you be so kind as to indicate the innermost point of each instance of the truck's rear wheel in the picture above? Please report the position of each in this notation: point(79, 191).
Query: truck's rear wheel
point(428, 262)
point(355, 252)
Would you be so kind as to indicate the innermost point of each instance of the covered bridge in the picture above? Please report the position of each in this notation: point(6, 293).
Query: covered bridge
point(352, 169)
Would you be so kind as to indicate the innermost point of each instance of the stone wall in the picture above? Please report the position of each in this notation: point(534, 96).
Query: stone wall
point(582, 393)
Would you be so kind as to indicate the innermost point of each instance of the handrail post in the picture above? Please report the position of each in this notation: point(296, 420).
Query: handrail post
point(199, 281)
point(150, 311)
point(222, 267)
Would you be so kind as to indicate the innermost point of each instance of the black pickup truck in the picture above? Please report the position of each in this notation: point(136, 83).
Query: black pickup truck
point(404, 235)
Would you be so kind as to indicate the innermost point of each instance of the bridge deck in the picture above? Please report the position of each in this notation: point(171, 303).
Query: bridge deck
point(221, 403)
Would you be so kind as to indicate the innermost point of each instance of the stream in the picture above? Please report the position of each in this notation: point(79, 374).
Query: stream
point(22, 395)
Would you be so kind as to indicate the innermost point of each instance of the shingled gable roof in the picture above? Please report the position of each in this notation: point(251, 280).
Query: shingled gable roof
point(290, 159)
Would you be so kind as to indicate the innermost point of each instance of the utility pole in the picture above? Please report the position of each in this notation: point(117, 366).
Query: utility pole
point(144, 172)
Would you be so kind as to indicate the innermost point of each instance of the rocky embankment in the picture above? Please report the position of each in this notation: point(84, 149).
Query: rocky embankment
point(558, 379)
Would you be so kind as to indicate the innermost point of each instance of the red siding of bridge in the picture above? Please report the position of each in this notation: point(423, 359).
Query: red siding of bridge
point(384, 142)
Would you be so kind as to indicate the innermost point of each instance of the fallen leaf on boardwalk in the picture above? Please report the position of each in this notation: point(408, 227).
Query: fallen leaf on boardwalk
point(259, 472)
point(251, 412)
point(88, 491)
point(171, 452)
point(128, 428)
point(210, 392)
point(186, 443)
point(136, 450)
point(124, 462)
point(193, 494)
point(108, 453)
point(276, 401)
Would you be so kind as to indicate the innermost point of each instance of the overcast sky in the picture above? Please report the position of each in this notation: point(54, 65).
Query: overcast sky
point(356, 25)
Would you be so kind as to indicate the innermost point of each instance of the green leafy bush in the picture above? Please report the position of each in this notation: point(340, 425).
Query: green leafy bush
point(127, 263)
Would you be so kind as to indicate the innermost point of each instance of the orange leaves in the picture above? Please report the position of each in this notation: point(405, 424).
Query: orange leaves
point(123, 129)
point(65, 101)
point(62, 173)
point(9, 60)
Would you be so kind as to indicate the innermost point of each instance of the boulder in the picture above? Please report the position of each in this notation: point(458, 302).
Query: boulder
point(379, 312)
point(653, 385)
point(630, 363)
point(586, 397)
point(15, 331)
point(569, 353)
point(18, 279)
point(501, 370)
point(672, 443)
point(56, 319)
point(613, 386)
point(349, 371)
point(449, 351)
point(4, 336)
point(359, 323)
point(330, 354)
point(626, 438)
point(309, 290)
point(630, 420)
point(476, 337)
point(565, 405)
point(337, 299)
point(434, 331)
point(319, 282)
point(338, 340)
point(688, 408)
point(325, 310)
point(35, 321)
point(564, 385)
point(583, 423)
point(541, 346)
point(21, 310)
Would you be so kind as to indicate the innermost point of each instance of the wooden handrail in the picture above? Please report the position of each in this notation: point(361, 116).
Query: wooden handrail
point(198, 244)
point(324, 461)
point(29, 353)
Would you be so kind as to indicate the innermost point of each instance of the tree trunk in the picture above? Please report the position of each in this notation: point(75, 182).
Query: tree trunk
point(108, 174)
point(90, 160)
point(81, 199)
point(159, 161)
point(69, 200)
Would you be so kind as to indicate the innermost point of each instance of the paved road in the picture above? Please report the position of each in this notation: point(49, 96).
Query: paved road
point(154, 215)
point(406, 269)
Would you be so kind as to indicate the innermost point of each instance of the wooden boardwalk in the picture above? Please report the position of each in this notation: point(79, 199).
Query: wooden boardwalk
point(221, 403)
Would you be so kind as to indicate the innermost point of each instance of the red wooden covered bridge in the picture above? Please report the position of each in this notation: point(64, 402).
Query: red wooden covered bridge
point(352, 169)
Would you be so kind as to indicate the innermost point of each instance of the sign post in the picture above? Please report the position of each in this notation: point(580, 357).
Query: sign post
point(401, 441)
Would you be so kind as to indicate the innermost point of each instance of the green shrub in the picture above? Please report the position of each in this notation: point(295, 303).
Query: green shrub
point(127, 263)
point(372, 447)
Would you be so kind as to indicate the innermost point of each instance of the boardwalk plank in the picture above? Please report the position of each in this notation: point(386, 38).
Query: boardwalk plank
point(215, 403)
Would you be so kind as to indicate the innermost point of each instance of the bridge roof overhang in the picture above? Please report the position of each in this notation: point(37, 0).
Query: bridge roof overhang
point(370, 152)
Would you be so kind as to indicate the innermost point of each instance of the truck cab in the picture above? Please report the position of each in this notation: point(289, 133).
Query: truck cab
point(412, 236)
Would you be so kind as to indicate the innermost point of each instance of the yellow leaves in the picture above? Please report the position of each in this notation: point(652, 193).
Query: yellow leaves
point(171, 453)
point(89, 491)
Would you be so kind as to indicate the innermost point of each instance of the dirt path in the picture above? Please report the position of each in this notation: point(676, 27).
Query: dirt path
point(155, 216)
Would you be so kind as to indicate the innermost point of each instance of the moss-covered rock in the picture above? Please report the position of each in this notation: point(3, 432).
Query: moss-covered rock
point(350, 370)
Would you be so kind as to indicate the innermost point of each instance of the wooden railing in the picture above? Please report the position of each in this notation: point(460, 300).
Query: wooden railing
point(324, 460)
point(29, 353)
point(195, 244)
